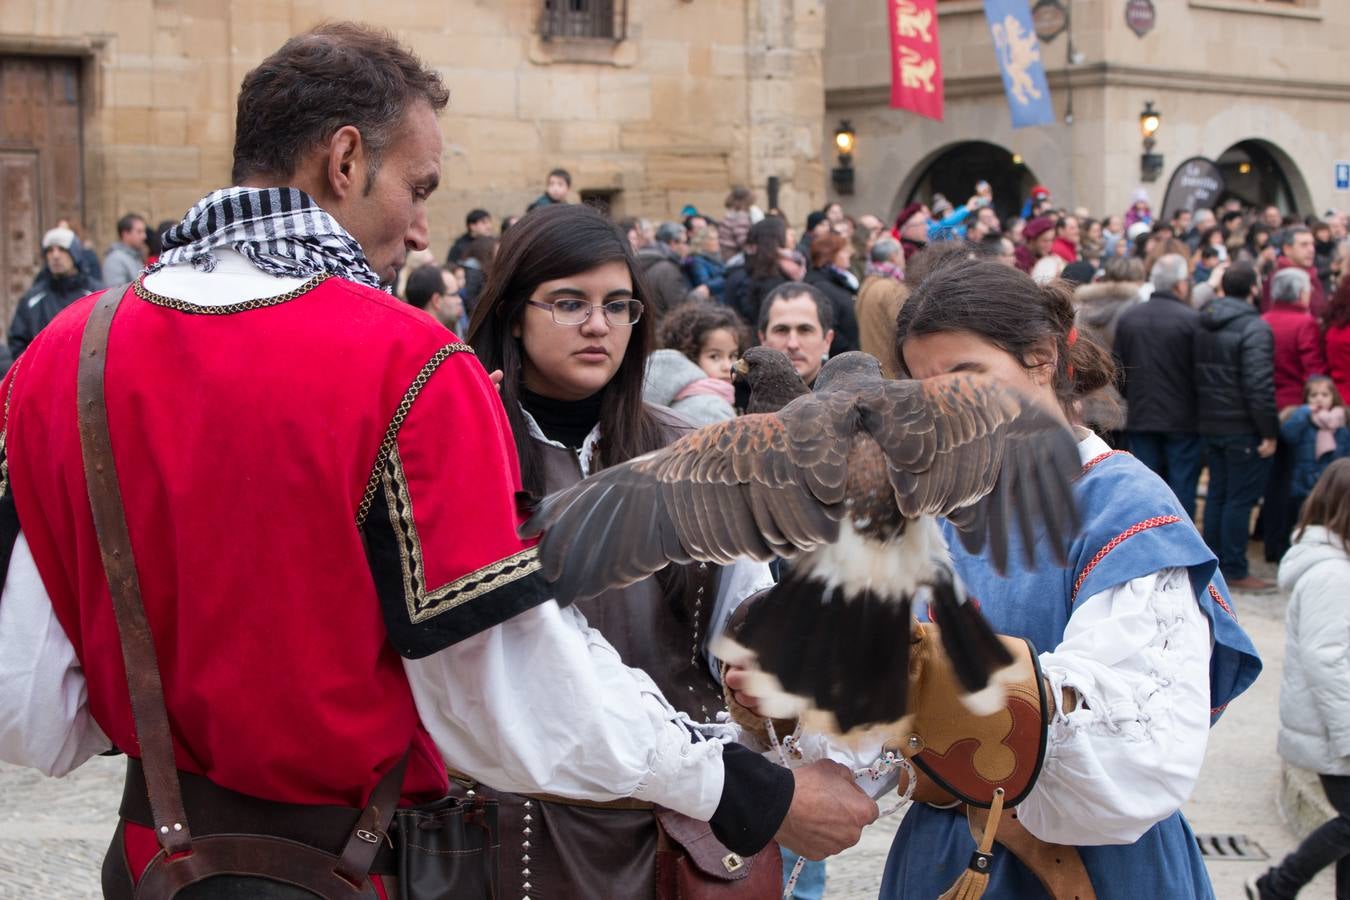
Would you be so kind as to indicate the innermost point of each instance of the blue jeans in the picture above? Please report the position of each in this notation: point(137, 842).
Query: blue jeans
point(1176, 457)
point(810, 883)
point(1237, 478)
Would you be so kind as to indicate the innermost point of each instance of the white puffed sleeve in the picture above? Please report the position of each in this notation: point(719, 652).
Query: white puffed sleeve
point(45, 723)
point(543, 704)
point(1129, 755)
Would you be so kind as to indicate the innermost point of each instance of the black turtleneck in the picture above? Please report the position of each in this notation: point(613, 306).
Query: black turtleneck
point(565, 421)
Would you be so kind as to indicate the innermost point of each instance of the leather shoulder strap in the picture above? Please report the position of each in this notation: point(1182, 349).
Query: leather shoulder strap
point(114, 541)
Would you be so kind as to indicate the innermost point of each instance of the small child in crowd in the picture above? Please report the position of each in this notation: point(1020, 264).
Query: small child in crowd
point(692, 375)
point(1315, 690)
point(1318, 434)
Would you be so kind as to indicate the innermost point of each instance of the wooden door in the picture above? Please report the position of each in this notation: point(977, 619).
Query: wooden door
point(41, 165)
point(20, 232)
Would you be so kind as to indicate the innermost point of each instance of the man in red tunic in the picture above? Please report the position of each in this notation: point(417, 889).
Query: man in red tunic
point(319, 484)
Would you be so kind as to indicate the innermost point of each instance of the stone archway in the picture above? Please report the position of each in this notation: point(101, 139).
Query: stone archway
point(1259, 173)
point(952, 170)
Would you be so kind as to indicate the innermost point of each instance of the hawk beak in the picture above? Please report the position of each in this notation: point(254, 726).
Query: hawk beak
point(741, 367)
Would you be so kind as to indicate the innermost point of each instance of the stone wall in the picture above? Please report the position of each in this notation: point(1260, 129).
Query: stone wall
point(700, 96)
point(1220, 71)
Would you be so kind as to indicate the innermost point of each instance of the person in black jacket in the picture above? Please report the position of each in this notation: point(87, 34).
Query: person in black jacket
point(830, 256)
point(1155, 344)
point(1235, 414)
point(60, 283)
point(478, 223)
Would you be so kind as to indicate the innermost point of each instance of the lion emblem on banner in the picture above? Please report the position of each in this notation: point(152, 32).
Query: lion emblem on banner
point(916, 71)
point(911, 22)
point(1018, 52)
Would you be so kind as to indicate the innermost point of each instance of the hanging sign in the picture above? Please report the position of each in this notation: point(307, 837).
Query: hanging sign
point(1019, 60)
point(1140, 16)
point(916, 59)
point(1050, 18)
point(1196, 184)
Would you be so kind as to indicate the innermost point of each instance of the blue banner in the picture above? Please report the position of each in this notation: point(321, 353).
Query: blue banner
point(1019, 60)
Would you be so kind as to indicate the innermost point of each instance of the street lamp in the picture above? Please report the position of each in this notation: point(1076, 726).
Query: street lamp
point(844, 140)
point(1150, 164)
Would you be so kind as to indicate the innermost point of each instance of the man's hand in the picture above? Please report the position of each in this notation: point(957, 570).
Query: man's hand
point(1266, 448)
point(828, 811)
point(700, 293)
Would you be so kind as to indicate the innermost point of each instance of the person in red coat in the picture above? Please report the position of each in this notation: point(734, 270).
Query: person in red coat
point(1338, 337)
point(1065, 245)
point(1297, 251)
point(1298, 340)
point(1298, 356)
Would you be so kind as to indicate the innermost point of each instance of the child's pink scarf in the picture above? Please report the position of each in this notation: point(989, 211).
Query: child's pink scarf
point(1327, 421)
point(714, 386)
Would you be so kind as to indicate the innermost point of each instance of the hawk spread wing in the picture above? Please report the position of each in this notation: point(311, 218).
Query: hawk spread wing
point(779, 484)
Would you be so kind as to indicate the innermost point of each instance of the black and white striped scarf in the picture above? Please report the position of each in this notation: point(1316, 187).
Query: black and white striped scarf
point(282, 231)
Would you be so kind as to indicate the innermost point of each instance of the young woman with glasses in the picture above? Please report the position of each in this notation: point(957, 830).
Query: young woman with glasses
point(563, 316)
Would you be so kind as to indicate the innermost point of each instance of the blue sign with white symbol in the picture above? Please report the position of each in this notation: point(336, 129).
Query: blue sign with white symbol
point(1343, 176)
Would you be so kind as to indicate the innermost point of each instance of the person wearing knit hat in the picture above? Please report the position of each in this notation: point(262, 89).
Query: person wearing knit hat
point(817, 224)
point(60, 283)
point(1039, 235)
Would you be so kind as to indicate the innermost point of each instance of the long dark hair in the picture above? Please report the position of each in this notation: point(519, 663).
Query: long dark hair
point(1338, 310)
point(554, 242)
point(1005, 307)
point(767, 237)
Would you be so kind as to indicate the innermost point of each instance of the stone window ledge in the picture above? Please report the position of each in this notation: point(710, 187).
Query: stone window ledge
point(587, 51)
point(1286, 10)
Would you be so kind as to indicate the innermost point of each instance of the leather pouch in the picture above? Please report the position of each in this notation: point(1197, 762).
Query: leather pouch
point(691, 863)
point(447, 849)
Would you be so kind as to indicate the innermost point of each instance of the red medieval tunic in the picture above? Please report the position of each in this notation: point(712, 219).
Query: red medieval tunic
point(314, 483)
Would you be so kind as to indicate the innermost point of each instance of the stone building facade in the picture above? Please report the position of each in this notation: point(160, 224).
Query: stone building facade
point(1259, 86)
point(108, 106)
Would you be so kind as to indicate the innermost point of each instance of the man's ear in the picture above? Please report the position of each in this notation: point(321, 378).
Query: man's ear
point(829, 337)
point(346, 161)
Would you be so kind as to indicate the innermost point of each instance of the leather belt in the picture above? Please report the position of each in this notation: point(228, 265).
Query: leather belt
point(213, 809)
point(629, 803)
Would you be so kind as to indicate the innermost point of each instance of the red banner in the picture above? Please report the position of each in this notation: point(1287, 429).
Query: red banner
point(916, 59)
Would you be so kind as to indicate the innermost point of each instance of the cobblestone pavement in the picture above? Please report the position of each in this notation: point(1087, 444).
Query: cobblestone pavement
point(53, 832)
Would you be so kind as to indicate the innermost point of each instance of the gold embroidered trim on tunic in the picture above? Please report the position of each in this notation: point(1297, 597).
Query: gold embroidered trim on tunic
point(422, 603)
point(183, 306)
point(391, 433)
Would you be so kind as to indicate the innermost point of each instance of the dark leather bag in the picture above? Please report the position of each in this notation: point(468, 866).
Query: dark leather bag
point(691, 863)
point(447, 849)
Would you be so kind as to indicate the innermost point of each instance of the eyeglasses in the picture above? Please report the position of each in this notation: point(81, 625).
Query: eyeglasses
point(578, 312)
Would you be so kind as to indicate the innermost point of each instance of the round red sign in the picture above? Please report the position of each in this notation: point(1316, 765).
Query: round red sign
point(1140, 16)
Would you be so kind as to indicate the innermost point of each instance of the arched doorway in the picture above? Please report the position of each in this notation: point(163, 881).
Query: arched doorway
point(1259, 173)
point(954, 169)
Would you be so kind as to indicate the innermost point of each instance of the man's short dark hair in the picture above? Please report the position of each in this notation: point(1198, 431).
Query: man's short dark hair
point(475, 216)
point(563, 174)
point(1209, 251)
point(1287, 235)
point(128, 222)
point(424, 283)
point(1238, 280)
point(335, 75)
point(791, 291)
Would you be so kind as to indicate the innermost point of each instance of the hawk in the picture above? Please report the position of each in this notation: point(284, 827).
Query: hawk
point(845, 483)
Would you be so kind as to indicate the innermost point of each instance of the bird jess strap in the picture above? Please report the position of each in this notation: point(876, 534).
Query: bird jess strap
point(184, 859)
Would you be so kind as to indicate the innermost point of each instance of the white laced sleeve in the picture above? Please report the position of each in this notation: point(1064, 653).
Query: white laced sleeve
point(45, 722)
point(1137, 656)
point(542, 703)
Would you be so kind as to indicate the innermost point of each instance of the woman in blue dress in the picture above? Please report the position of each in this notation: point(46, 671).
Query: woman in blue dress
point(1137, 636)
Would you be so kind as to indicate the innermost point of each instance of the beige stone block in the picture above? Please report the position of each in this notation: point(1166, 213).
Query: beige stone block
point(168, 128)
point(587, 137)
point(175, 83)
point(624, 97)
point(728, 60)
point(665, 56)
point(553, 94)
point(157, 164)
point(210, 127)
point(482, 51)
point(481, 92)
point(131, 86)
point(487, 136)
point(130, 124)
point(173, 202)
